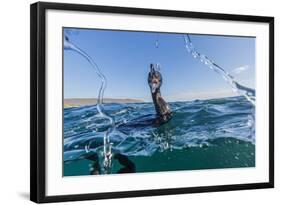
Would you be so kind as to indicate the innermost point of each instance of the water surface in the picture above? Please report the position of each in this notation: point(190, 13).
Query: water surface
point(202, 134)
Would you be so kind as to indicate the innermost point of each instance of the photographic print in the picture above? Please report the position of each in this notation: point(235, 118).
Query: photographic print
point(138, 101)
point(130, 102)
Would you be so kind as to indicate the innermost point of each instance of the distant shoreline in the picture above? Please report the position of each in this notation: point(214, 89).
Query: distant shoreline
point(77, 102)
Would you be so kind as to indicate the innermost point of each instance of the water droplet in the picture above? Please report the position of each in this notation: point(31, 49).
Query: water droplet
point(250, 96)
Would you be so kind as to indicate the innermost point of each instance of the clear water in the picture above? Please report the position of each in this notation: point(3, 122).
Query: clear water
point(203, 134)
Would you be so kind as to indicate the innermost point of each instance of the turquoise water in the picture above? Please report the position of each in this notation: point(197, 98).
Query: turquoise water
point(202, 134)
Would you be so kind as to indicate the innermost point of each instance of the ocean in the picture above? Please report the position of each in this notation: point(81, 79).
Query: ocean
point(202, 134)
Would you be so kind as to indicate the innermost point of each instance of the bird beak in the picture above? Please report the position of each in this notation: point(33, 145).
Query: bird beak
point(152, 69)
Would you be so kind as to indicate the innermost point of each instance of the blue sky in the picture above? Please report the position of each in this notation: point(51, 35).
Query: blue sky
point(124, 58)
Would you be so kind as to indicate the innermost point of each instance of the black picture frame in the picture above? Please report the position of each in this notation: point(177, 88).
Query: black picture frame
point(38, 101)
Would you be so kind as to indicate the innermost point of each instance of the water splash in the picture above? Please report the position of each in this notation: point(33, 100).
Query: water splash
point(248, 93)
point(102, 115)
point(71, 31)
point(157, 41)
point(157, 67)
point(240, 69)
